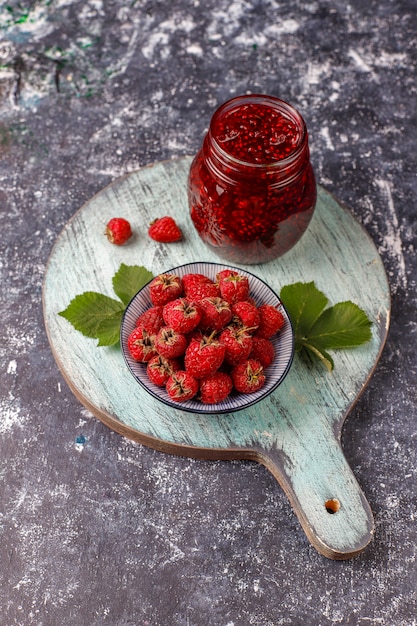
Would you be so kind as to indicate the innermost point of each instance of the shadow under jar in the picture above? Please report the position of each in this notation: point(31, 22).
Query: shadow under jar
point(251, 187)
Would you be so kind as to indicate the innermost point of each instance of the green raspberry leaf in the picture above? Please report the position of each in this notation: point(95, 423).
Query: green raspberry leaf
point(98, 316)
point(304, 303)
point(108, 330)
point(88, 310)
point(128, 280)
point(318, 329)
point(343, 325)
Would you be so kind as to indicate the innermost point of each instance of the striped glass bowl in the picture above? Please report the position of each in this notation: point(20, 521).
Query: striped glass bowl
point(261, 293)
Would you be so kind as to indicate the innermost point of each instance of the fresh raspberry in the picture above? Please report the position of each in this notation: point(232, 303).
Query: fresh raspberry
point(159, 369)
point(246, 314)
point(181, 386)
point(204, 357)
point(215, 387)
point(165, 230)
point(233, 287)
point(141, 344)
point(248, 376)
point(272, 320)
point(262, 350)
point(224, 274)
point(182, 315)
point(169, 343)
point(152, 319)
point(165, 287)
point(216, 313)
point(238, 344)
point(199, 286)
point(118, 231)
point(197, 334)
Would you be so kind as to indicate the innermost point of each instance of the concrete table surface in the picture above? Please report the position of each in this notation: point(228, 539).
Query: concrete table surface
point(96, 529)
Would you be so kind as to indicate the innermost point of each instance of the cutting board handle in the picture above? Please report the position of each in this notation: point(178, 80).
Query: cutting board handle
point(324, 494)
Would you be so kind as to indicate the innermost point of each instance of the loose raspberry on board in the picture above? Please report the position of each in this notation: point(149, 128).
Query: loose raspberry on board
point(118, 231)
point(165, 230)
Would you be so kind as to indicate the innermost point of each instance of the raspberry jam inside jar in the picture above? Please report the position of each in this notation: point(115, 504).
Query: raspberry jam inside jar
point(251, 187)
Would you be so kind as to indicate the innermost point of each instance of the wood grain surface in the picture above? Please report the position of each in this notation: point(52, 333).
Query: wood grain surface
point(295, 432)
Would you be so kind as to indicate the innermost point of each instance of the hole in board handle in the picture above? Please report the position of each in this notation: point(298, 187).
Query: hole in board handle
point(332, 505)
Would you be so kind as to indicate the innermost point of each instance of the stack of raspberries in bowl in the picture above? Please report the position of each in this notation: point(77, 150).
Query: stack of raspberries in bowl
point(205, 338)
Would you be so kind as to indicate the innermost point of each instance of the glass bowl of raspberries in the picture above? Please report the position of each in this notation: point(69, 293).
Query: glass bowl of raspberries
point(207, 338)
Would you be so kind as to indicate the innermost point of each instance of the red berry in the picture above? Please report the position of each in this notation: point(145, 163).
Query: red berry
point(246, 314)
point(216, 313)
point(225, 274)
point(272, 320)
point(182, 315)
point(215, 388)
point(197, 334)
point(159, 369)
point(118, 231)
point(165, 287)
point(165, 230)
point(262, 350)
point(198, 286)
point(169, 343)
point(238, 344)
point(204, 357)
point(233, 286)
point(152, 319)
point(181, 386)
point(141, 344)
point(248, 376)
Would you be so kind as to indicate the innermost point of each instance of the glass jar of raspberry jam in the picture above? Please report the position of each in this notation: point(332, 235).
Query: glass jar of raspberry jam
point(251, 187)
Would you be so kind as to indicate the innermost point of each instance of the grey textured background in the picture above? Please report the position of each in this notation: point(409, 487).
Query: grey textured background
point(94, 529)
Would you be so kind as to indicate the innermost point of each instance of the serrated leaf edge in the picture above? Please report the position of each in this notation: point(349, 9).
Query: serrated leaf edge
point(366, 324)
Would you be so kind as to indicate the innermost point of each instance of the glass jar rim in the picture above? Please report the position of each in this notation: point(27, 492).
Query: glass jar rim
point(277, 104)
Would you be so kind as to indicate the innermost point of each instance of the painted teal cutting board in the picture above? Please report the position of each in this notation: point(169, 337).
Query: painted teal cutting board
point(295, 432)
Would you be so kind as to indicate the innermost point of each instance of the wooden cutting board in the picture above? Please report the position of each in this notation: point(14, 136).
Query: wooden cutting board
point(295, 432)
